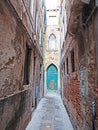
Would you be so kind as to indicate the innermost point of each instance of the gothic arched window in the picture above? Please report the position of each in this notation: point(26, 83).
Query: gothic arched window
point(52, 42)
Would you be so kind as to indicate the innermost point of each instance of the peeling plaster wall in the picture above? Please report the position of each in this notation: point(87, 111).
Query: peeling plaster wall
point(15, 98)
point(11, 52)
point(16, 37)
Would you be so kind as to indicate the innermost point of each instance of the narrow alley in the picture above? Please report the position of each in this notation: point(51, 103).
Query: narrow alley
point(50, 115)
point(48, 64)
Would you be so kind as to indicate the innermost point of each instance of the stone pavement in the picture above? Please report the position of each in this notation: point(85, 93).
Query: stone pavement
point(50, 115)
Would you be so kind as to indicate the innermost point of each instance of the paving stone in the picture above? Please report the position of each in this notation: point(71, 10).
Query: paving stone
point(47, 127)
point(50, 115)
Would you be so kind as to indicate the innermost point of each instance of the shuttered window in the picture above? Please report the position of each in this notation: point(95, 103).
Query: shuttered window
point(27, 65)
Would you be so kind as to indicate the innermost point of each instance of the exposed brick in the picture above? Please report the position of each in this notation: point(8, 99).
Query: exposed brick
point(84, 44)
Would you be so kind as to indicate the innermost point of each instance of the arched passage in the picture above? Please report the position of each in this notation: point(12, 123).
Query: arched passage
point(52, 77)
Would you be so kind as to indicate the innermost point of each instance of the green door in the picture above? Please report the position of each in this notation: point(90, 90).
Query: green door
point(52, 77)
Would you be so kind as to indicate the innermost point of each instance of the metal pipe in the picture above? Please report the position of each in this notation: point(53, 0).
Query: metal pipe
point(93, 114)
point(90, 15)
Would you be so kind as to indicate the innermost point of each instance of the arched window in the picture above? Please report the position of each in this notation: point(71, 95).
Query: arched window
point(52, 42)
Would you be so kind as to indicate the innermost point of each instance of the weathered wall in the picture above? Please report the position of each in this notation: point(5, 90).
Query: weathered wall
point(88, 61)
point(15, 111)
point(71, 84)
point(15, 103)
point(96, 87)
point(12, 47)
point(38, 77)
point(80, 87)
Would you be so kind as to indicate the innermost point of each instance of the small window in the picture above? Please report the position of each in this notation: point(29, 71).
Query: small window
point(40, 71)
point(64, 67)
point(72, 61)
point(52, 42)
point(67, 65)
point(27, 65)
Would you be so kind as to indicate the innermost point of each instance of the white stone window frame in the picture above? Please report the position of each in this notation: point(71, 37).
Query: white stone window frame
point(52, 43)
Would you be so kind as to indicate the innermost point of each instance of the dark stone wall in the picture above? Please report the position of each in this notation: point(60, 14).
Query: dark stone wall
point(15, 111)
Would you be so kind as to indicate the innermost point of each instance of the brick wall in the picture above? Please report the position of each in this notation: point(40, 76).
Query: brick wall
point(77, 99)
point(71, 84)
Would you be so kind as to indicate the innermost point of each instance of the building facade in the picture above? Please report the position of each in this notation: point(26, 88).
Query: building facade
point(51, 59)
point(51, 48)
point(21, 61)
point(79, 50)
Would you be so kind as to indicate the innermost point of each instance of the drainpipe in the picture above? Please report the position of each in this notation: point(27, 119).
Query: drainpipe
point(90, 15)
point(93, 114)
point(62, 87)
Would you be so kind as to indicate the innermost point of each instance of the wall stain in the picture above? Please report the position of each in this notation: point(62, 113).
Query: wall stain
point(11, 61)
